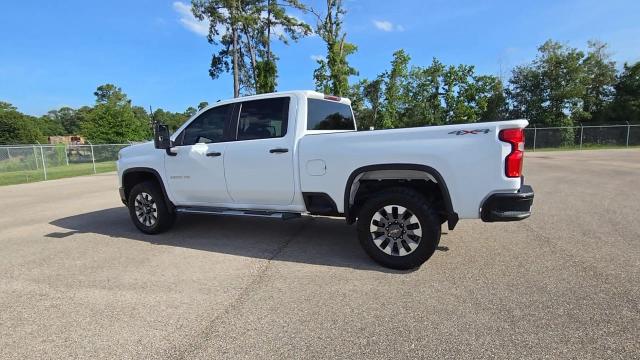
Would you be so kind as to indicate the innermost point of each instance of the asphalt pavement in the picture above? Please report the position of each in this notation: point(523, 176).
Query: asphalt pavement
point(77, 280)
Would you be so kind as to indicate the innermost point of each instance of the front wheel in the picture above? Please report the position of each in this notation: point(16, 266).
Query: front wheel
point(398, 229)
point(148, 209)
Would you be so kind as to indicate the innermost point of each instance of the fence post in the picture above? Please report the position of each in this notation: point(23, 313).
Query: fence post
point(66, 153)
point(35, 157)
point(581, 130)
point(93, 158)
point(535, 133)
point(628, 129)
point(44, 166)
point(8, 153)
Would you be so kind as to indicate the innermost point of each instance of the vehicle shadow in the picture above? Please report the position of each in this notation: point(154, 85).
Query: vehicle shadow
point(310, 240)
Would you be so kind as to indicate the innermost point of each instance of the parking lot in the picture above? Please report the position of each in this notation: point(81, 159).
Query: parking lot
point(77, 280)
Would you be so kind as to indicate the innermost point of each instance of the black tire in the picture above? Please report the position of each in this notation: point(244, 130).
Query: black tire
point(151, 194)
point(417, 205)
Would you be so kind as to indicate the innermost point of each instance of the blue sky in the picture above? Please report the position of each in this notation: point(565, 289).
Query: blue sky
point(55, 53)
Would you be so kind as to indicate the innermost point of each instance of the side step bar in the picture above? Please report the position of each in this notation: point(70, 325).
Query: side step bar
point(234, 212)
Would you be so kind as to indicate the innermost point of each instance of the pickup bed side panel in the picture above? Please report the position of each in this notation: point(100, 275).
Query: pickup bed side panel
point(470, 162)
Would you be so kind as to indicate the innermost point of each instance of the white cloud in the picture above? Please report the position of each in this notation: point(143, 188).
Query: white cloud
point(189, 21)
point(278, 30)
point(387, 26)
point(202, 27)
point(383, 25)
point(316, 57)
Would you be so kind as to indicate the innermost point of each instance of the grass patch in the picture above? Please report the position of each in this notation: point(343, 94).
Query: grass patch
point(55, 172)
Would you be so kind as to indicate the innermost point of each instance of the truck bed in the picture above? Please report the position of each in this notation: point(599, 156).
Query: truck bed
point(465, 155)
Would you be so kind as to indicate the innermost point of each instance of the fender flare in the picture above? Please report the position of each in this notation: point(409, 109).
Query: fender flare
point(155, 174)
point(452, 216)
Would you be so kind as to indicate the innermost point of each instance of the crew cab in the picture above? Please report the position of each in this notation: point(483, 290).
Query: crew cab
point(288, 154)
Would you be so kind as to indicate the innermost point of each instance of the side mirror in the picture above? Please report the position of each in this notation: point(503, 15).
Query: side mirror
point(161, 137)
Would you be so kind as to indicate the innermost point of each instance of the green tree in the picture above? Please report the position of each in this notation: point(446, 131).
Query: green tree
point(17, 128)
point(173, 120)
point(81, 115)
point(366, 101)
point(459, 94)
point(50, 124)
point(373, 92)
point(492, 99)
point(560, 87)
point(432, 95)
point(113, 119)
point(626, 103)
point(321, 77)
point(333, 72)
point(141, 116)
point(440, 94)
point(266, 76)
point(66, 118)
point(70, 120)
point(527, 95)
point(423, 89)
point(109, 93)
point(551, 88)
point(599, 79)
point(7, 106)
point(190, 111)
point(393, 95)
point(202, 105)
point(242, 30)
point(290, 28)
point(224, 32)
point(356, 95)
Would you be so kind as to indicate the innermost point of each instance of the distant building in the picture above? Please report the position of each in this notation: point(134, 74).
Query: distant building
point(67, 139)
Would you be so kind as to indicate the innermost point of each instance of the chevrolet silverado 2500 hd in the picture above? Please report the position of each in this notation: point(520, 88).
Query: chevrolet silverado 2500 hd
point(286, 154)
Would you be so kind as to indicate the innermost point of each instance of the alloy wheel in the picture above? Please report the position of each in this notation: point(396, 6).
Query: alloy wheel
point(146, 209)
point(395, 230)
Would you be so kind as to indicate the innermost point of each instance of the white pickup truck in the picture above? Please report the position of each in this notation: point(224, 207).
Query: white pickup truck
point(296, 153)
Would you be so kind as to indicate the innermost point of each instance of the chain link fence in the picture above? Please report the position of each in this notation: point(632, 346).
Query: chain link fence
point(36, 162)
point(582, 137)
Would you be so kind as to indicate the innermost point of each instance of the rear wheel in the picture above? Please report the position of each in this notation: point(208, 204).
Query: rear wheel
point(148, 209)
point(398, 229)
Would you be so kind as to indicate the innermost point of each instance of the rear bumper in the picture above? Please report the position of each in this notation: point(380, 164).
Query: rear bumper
point(508, 206)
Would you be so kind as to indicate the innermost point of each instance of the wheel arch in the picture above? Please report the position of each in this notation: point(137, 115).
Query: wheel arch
point(350, 216)
point(135, 175)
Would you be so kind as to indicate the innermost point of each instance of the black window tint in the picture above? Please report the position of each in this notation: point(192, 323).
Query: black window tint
point(208, 127)
point(328, 115)
point(261, 119)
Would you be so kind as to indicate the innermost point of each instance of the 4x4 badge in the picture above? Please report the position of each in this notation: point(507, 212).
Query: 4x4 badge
point(474, 132)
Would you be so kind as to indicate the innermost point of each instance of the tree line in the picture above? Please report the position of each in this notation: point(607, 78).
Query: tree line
point(561, 86)
point(112, 119)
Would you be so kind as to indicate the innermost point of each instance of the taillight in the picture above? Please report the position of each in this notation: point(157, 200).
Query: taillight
point(513, 161)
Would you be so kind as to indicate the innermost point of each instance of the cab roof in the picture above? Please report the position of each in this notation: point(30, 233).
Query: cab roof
point(304, 93)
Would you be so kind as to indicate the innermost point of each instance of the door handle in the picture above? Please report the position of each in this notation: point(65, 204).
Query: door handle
point(215, 153)
point(278, 151)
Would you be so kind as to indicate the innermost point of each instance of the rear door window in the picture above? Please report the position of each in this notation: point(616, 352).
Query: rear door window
point(263, 119)
point(329, 115)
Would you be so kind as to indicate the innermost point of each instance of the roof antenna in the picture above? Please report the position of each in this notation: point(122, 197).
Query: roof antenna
point(153, 116)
